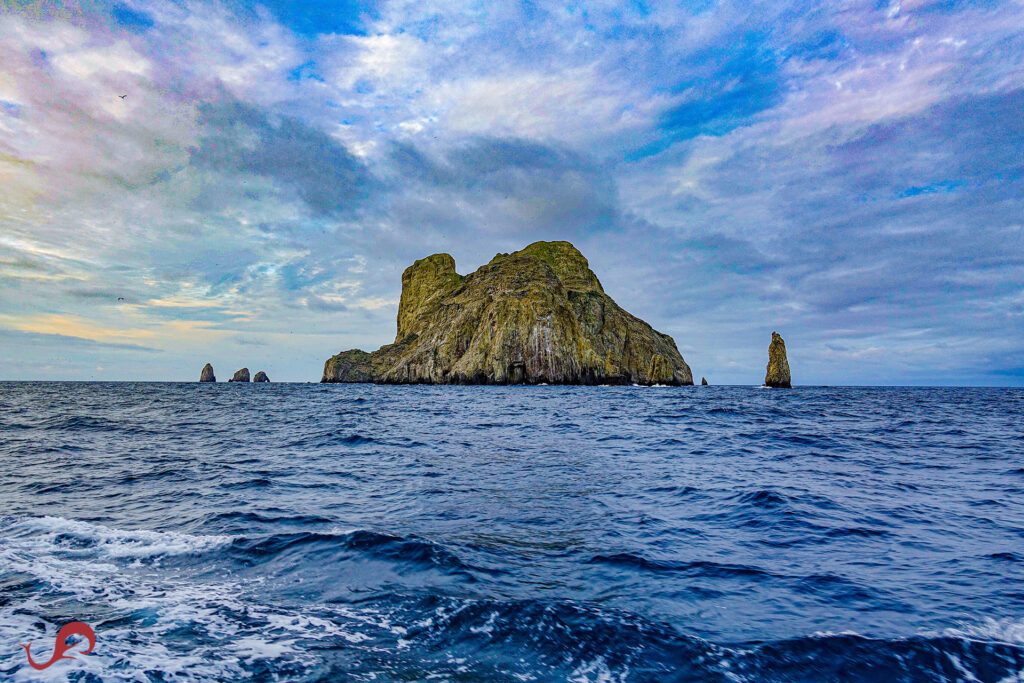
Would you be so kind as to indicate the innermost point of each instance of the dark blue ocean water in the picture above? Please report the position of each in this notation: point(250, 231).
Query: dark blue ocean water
point(332, 532)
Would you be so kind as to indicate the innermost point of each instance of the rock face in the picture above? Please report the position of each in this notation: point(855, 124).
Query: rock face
point(260, 377)
point(207, 374)
point(534, 316)
point(703, 382)
point(241, 376)
point(778, 366)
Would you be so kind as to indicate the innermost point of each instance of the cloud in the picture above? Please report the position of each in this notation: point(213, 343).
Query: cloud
point(851, 174)
point(246, 341)
point(386, 61)
point(116, 58)
point(239, 139)
point(570, 104)
point(507, 188)
point(319, 303)
point(732, 85)
point(69, 342)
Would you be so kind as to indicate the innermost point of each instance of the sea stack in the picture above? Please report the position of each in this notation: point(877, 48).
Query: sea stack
point(260, 377)
point(534, 316)
point(703, 381)
point(207, 374)
point(778, 366)
point(241, 376)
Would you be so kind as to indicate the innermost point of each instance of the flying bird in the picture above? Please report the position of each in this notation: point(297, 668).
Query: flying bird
point(120, 298)
point(122, 96)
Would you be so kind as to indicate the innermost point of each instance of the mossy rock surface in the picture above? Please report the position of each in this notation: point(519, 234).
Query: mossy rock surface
point(535, 316)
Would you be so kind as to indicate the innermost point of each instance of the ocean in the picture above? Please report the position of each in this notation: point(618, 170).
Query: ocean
point(389, 533)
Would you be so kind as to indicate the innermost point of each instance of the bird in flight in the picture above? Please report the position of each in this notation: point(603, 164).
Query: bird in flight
point(122, 96)
point(120, 298)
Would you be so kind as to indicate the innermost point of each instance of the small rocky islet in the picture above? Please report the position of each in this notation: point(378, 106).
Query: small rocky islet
point(207, 374)
point(241, 376)
point(777, 372)
point(535, 316)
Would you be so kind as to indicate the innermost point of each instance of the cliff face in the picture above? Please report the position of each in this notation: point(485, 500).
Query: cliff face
point(777, 373)
point(241, 376)
point(533, 316)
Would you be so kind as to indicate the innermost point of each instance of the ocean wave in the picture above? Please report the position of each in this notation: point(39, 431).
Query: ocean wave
point(300, 550)
point(564, 640)
point(254, 519)
point(1009, 631)
point(327, 438)
point(66, 536)
point(171, 626)
point(702, 568)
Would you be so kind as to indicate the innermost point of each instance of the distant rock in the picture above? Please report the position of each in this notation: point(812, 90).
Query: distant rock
point(261, 377)
point(207, 374)
point(703, 382)
point(241, 376)
point(535, 316)
point(778, 365)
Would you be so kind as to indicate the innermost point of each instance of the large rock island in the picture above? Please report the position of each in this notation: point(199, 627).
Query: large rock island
point(534, 316)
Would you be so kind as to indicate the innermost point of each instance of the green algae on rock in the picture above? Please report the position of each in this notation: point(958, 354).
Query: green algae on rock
point(777, 374)
point(535, 316)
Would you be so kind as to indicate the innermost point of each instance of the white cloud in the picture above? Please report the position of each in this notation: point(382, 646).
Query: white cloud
point(389, 61)
point(114, 58)
point(570, 105)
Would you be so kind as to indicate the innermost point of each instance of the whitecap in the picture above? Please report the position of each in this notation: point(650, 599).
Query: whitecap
point(64, 534)
point(74, 560)
point(1010, 631)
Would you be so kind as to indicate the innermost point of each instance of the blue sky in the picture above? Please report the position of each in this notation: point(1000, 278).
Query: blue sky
point(850, 175)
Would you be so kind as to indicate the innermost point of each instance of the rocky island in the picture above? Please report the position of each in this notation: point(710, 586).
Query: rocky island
point(534, 316)
point(777, 372)
point(207, 374)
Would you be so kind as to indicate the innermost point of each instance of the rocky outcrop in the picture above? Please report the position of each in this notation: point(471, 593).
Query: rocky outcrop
point(207, 374)
point(703, 382)
point(777, 374)
point(260, 377)
point(241, 376)
point(538, 315)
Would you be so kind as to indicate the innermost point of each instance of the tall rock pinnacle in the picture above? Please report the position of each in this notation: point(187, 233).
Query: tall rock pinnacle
point(777, 374)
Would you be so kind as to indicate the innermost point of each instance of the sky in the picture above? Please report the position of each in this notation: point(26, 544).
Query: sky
point(850, 174)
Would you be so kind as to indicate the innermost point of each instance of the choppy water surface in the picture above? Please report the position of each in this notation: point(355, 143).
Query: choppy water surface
point(324, 532)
